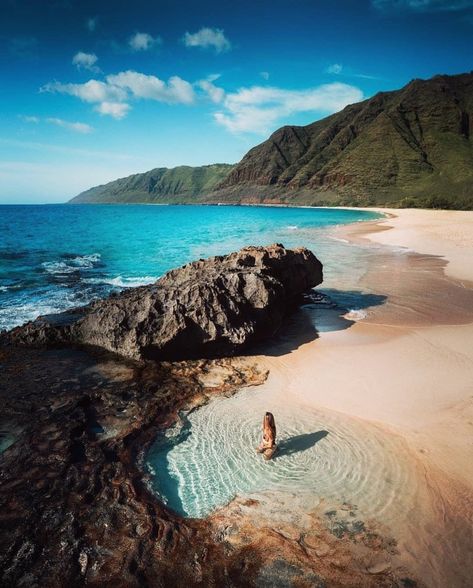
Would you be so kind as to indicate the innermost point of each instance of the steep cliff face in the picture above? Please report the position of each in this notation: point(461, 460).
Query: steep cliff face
point(414, 143)
point(158, 185)
point(410, 147)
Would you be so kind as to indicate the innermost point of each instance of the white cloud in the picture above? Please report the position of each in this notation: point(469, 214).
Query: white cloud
point(86, 61)
point(264, 75)
point(143, 41)
point(423, 5)
point(77, 127)
point(91, 91)
point(335, 68)
point(91, 23)
point(259, 109)
point(208, 38)
point(111, 96)
point(116, 110)
point(140, 85)
point(215, 93)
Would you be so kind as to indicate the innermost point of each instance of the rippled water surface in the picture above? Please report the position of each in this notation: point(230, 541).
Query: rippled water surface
point(54, 257)
point(211, 458)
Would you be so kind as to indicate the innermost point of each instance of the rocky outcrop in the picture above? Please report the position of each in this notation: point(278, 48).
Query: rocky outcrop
point(208, 308)
point(75, 508)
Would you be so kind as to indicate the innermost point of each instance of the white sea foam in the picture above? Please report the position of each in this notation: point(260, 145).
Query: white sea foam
point(87, 260)
point(355, 314)
point(292, 227)
point(22, 313)
point(73, 264)
point(25, 309)
point(122, 282)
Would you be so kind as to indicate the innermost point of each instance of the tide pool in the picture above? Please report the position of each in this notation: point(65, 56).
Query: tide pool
point(209, 458)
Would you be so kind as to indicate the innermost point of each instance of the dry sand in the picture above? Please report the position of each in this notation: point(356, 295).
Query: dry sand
point(411, 373)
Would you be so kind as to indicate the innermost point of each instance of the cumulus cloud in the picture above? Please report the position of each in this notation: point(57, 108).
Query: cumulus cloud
point(116, 110)
point(423, 5)
point(143, 41)
point(208, 38)
point(335, 68)
point(215, 93)
point(112, 96)
point(91, 91)
point(77, 127)
point(259, 109)
point(86, 61)
point(140, 85)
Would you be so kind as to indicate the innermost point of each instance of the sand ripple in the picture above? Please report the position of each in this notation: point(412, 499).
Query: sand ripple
point(322, 454)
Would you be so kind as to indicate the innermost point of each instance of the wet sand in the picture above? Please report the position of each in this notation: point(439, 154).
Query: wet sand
point(407, 369)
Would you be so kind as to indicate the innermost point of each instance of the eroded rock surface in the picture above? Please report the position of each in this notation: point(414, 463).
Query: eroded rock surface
point(208, 308)
point(74, 504)
point(75, 509)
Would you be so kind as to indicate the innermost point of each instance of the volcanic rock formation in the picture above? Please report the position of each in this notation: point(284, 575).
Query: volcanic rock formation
point(207, 308)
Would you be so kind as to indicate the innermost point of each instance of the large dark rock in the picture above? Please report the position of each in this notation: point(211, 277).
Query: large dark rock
point(207, 308)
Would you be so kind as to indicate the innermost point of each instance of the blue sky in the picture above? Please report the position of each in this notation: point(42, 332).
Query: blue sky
point(95, 90)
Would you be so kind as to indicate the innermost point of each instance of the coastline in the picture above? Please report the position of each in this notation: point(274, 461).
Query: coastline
point(412, 379)
point(387, 491)
point(446, 233)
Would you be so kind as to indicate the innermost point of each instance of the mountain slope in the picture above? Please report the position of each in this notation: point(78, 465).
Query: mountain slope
point(158, 185)
point(411, 146)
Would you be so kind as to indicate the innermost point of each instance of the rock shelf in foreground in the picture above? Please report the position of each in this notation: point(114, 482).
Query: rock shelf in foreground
point(208, 308)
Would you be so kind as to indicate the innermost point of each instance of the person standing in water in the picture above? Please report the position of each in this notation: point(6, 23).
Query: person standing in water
point(268, 444)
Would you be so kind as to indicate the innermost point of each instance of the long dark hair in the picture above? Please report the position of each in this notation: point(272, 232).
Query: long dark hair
point(268, 421)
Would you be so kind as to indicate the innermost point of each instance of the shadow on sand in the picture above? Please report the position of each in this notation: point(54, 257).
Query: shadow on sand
point(321, 312)
point(299, 443)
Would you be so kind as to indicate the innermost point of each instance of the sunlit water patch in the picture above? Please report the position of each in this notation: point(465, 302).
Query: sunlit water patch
point(211, 458)
point(56, 257)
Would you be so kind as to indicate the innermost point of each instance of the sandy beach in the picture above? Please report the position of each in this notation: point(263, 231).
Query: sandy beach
point(407, 370)
point(370, 383)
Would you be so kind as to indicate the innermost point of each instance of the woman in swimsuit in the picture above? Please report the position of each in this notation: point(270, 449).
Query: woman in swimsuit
point(268, 444)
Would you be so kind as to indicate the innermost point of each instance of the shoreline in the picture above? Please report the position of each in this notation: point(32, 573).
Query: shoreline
point(392, 391)
point(445, 233)
point(412, 380)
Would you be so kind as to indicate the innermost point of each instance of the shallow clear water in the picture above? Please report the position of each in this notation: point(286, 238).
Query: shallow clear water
point(322, 455)
point(53, 257)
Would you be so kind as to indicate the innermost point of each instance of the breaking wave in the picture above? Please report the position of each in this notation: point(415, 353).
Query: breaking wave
point(123, 282)
point(70, 263)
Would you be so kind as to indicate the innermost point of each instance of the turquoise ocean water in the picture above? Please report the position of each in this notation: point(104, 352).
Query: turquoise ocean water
point(54, 257)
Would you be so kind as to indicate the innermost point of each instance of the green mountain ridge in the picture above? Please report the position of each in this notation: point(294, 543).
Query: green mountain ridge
point(159, 185)
point(409, 147)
